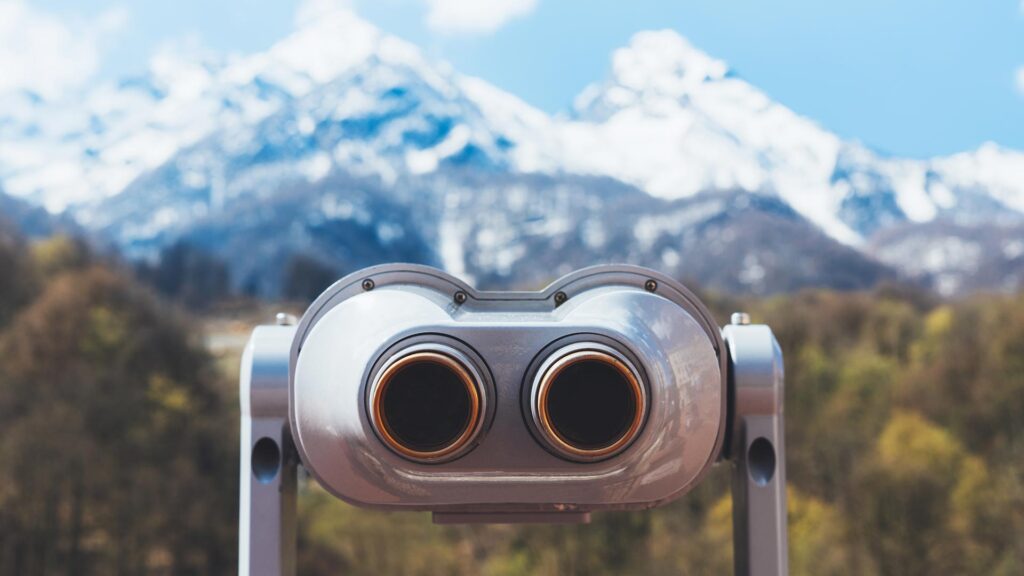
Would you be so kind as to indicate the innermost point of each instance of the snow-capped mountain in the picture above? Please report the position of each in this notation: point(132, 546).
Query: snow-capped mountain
point(340, 134)
point(87, 147)
point(675, 122)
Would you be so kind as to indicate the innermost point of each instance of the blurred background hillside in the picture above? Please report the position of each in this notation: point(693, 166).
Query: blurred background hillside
point(169, 180)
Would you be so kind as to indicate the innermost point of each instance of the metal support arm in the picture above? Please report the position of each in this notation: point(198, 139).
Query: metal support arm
point(757, 449)
point(266, 516)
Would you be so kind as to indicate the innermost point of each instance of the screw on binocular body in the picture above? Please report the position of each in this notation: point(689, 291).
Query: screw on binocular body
point(460, 297)
point(739, 319)
point(285, 319)
point(368, 285)
point(651, 285)
point(560, 298)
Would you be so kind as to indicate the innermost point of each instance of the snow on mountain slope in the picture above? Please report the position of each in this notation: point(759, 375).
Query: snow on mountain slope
point(93, 150)
point(388, 118)
point(675, 121)
point(956, 259)
point(990, 171)
point(90, 146)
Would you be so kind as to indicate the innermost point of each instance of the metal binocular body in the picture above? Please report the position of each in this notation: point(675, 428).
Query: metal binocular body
point(402, 388)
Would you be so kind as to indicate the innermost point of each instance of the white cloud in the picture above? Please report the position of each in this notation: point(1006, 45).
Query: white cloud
point(475, 16)
point(1020, 80)
point(48, 54)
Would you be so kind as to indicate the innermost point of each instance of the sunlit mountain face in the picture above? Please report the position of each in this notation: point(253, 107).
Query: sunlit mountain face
point(347, 146)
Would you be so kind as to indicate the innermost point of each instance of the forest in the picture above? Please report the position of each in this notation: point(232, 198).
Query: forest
point(118, 456)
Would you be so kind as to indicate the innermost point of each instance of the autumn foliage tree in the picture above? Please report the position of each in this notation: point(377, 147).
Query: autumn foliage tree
point(18, 279)
point(114, 441)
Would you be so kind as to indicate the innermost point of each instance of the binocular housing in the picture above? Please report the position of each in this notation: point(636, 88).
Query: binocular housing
point(410, 390)
point(403, 388)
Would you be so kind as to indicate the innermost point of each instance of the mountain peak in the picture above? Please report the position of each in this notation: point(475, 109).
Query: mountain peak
point(663, 61)
point(326, 46)
point(655, 65)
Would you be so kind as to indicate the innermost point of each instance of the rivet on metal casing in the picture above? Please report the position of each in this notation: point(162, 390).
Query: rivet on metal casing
point(560, 298)
point(739, 319)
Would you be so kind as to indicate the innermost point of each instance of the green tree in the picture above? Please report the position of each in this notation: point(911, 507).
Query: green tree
point(115, 442)
point(335, 538)
point(924, 502)
point(59, 254)
point(188, 275)
point(18, 278)
point(969, 374)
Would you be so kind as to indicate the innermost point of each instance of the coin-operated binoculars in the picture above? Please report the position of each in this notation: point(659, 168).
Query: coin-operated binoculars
point(402, 388)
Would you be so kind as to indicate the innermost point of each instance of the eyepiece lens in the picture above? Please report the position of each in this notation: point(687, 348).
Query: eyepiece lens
point(588, 404)
point(426, 405)
point(591, 404)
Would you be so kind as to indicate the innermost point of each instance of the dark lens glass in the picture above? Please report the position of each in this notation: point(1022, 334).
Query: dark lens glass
point(591, 404)
point(426, 406)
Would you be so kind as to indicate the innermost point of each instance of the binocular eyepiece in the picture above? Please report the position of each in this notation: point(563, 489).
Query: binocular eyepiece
point(427, 404)
point(409, 389)
point(586, 402)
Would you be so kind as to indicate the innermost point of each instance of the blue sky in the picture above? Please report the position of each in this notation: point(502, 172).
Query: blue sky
point(910, 77)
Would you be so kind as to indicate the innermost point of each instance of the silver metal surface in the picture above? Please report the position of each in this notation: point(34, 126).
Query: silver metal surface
point(266, 518)
point(668, 332)
point(758, 451)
